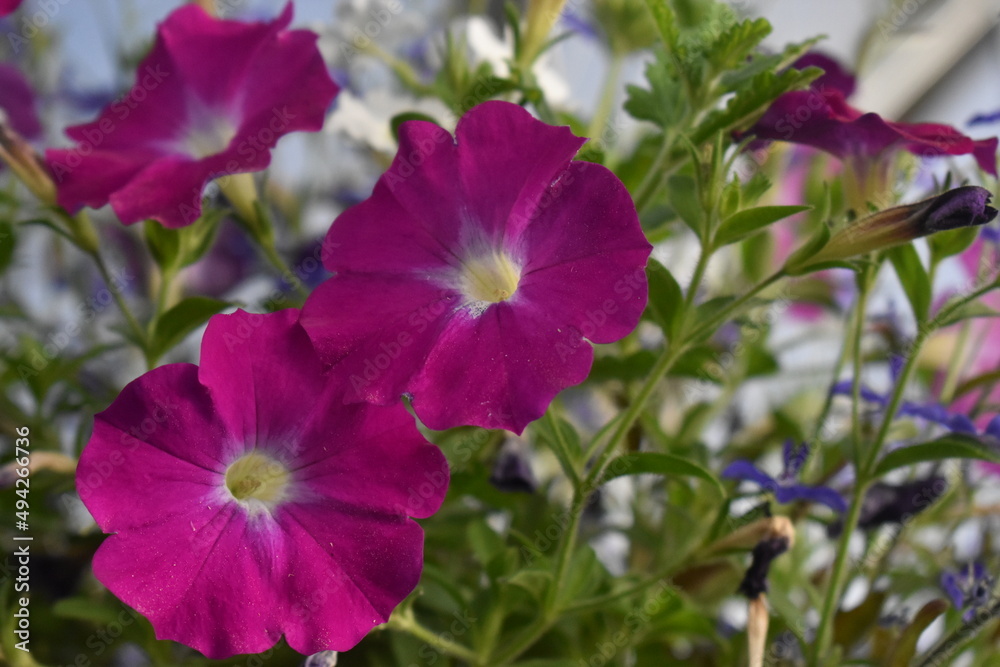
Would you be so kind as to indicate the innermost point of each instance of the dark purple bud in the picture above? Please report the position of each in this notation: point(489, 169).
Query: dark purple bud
point(755, 580)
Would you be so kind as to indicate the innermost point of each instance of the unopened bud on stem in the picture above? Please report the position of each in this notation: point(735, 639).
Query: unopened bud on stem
point(966, 206)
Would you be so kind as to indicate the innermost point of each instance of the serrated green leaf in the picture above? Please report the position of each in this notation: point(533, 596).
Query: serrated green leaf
point(752, 220)
point(661, 464)
point(666, 301)
point(913, 277)
point(749, 103)
point(663, 102)
point(172, 326)
point(666, 22)
point(736, 43)
point(952, 446)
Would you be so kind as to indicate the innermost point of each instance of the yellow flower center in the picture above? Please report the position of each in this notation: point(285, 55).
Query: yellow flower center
point(257, 476)
point(493, 278)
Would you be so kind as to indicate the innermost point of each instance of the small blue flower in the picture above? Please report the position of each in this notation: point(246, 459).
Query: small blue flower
point(786, 487)
point(932, 412)
point(970, 588)
point(985, 118)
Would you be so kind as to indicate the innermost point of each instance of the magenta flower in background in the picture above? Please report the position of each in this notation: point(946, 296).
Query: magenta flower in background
point(17, 102)
point(472, 275)
point(821, 117)
point(247, 501)
point(212, 98)
point(8, 6)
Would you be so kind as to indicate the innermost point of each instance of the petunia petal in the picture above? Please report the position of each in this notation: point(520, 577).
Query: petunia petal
point(530, 358)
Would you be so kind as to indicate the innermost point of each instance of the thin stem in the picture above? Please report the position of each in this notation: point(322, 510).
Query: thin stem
point(859, 332)
point(270, 252)
point(824, 634)
point(731, 309)
point(607, 100)
point(130, 319)
point(654, 176)
point(408, 624)
point(562, 450)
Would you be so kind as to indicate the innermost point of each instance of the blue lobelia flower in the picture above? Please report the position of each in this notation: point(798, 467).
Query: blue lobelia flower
point(786, 487)
point(970, 588)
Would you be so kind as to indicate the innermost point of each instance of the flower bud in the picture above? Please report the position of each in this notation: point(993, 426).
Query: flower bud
point(966, 206)
point(26, 164)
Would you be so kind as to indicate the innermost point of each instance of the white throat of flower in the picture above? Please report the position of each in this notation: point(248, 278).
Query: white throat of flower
point(256, 478)
point(210, 134)
point(488, 278)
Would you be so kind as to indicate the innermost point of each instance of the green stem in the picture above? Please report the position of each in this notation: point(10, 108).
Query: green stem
point(824, 634)
point(859, 331)
point(654, 176)
point(130, 319)
point(728, 311)
point(607, 100)
point(406, 623)
point(270, 252)
point(562, 449)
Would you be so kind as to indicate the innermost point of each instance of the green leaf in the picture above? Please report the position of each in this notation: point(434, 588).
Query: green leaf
point(86, 609)
point(964, 312)
point(850, 627)
point(751, 102)
point(401, 118)
point(951, 242)
point(682, 193)
point(164, 243)
point(172, 326)
point(798, 262)
point(661, 464)
point(663, 103)
point(634, 366)
point(533, 580)
point(916, 283)
point(666, 301)
point(732, 47)
point(584, 576)
point(906, 645)
point(7, 242)
point(744, 223)
point(666, 22)
point(952, 446)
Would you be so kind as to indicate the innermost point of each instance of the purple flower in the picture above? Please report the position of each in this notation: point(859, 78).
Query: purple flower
point(932, 412)
point(211, 99)
point(17, 102)
point(246, 501)
point(821, 117)
point(473, 277)
point(970, 588)
point(786, 487)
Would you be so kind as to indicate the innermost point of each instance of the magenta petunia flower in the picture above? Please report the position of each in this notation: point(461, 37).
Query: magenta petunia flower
point(212, 98)
point(17, 103)
point(247, 501)
point(8, 6)
point(821, 117)
point(472, 276)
